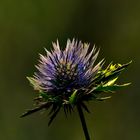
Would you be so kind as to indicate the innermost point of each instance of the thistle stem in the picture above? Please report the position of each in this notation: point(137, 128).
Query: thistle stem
point(83, 122)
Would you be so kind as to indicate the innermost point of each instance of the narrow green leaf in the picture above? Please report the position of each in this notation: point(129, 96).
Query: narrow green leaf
point(34, 83)
point(103, 98)
point(44, 95)
point(112, 88)
point(111, 82)
point(72, 98)
point(112, 71)
point(31, 111)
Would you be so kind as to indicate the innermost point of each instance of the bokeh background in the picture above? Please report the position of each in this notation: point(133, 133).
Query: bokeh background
point(27, 26)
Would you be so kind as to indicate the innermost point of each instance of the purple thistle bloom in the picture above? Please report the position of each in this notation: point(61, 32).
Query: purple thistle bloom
point(62, 72)
point(67, 78)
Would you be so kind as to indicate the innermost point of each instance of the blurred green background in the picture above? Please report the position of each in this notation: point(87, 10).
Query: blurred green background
point(27, 26)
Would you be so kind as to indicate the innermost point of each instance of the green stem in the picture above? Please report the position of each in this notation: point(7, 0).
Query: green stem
point(83, 122)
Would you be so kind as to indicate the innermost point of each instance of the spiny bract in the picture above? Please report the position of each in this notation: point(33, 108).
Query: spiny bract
point(69, 77)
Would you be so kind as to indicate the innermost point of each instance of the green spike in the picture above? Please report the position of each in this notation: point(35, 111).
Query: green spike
point(103, 88)
point(34, 83)
point(103, 98)
point(111, 82)
point(44, 95)
point(72, 98)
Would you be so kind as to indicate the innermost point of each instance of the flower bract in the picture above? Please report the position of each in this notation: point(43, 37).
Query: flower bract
point(70, 77)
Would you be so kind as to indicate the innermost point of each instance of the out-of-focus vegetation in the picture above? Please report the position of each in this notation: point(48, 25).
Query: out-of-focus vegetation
point(27, 26)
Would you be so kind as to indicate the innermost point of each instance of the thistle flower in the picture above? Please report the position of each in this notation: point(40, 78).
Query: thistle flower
point(68, 78)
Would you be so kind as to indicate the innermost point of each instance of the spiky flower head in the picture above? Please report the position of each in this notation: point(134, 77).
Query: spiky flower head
point(69, 77)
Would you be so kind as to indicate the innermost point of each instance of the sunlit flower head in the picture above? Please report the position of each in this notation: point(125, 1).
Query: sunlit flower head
point(61, 72)
point(68, 77)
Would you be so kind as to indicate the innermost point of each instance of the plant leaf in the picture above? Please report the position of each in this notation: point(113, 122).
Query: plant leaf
point(44, 95)
point(103, 98)
point(112, 88)
point(111, 82)
point(72, 98)
point(34, 83)
point(111, 72)
point(30, 111)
